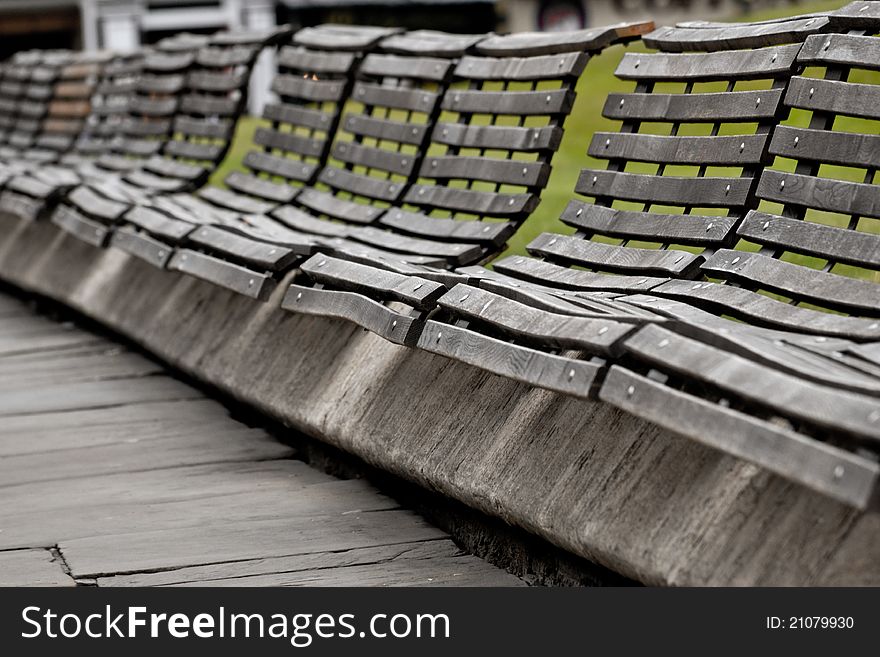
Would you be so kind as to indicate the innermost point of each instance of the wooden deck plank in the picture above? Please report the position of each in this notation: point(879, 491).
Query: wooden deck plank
point(36, 567)
point(112, 468)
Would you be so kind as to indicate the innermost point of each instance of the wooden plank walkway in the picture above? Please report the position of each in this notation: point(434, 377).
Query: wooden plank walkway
point(114, 473)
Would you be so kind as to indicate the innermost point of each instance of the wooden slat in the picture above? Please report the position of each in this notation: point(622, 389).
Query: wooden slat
point(494, 233)
point(142, 246)
point(820, 193)
point(286, 141)
point(263, 189)
point(356, 308)
point(546, 43)
point(159, 107)
point(414, 100)
point(370, 281)
point(840, 244)
point(90, 203)
point(541, 67)
point(79, 226)
point(471, 201)
point(728, 37)
point(192, 150)
point(324, 203)
point(608, 257)
point(844, 148)
point(374, 158)
point(213, 128)
point(667, 190)
point(224, 274)
point(431, 43)
point(233, 201)
point(301, 116)
point(259, 255)
point(728, 65)
point(568, 376)
point(797, 281)
point(761, 309)
point(847, 98)
point(164, 166)
point(279, 165)
point(726, 106)
point(781, 451)
point(733, 150)
point(633, 224)
point(163, 85)
point(512, 172)
point(207, 105)
point(454, 254)
point(315, 61)
point(534, 326)
point(515, 138)
point(573, 279)
point(157, 223)
point(841, 50)
point(292, 86)
point(516, 103)
point(21, 206)
point(361, 184)
point(395, 66)
point(385, 129)
point(216, 82)
point(820, 406)
point(342, 37)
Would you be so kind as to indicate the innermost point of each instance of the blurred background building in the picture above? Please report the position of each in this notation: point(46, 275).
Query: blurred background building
point(124, 25)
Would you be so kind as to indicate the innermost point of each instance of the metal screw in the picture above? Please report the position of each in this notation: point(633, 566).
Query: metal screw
point(393, 324)
point(418, 285)
point(838, 471)
point(727, 190)
point(548, 99)
point(439, 335)
point(603, 330)
point(742, 147)
point(735, 260)
point(570, 374)
point(299, 296)
point(251, 283)
point(630, 391)
point(827, 44)
point(781, 184)
point(607, 143)
point(796, 140)
point(525, 171)
point(464, 298)
point(161, 254)
point(579, 212)
point(812, 91)
point(322, 263)
point(766, 225)
point(757, 101)
point(638, 61)
point(664, 342)
point(773, 58)
point(621, 102)
point(551, 242)
point(511, 202)
point(709, 227)
point(595, 179)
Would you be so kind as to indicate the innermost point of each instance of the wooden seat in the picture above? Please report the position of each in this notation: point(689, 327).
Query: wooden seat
point(814, 240)
point(679, 178)
point(485, 163)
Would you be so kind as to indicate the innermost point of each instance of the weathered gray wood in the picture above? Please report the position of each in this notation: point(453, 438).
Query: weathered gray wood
point(93, 205)
point(260, 255)
point(541, 67)
point(495, 233)
point(324, 203)
point(745, 35)
point(231, 276)
point(797, 281)
point(416, 292)
point(159, 224)
point(534, 326)
point(729, 150)
point(517, 103)
point(847, 98)
point(385, 129)
point(470, 167)
point(285, 141)
point(280, 165)
point(727, 106)
point(361, 185)
point(191, 150)
point(315, 61)
point(542, 43)
point(142, 246)
point(233, 201)
point(569, 376)
point(517, 138)
point(498, 204)
point(268, 190)
point(573, 279)
point(291, 86)
point(208, 105)
point(36, 567)
point(837, 411)
point(169, 168)
point(296, 115)
point(846, 148)
point(414, 100)
point(668, 190)
point(652, 226)
point(342, 37)
point(841, 50)
point(763, 310)
point(374, 158)
point(430, 43)
point(608, 257)
point(785, 452)
point(418, 68)
point(79, 226)
point(821, 193)
point(454, 253)
point(727, 65)
point(355, 308)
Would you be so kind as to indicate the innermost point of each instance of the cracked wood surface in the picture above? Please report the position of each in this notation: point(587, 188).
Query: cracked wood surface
point(114, 473)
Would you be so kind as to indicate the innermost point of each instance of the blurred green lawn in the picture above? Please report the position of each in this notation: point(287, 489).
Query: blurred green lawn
point(586, 118)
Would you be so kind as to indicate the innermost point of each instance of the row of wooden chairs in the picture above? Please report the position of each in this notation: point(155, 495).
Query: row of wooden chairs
point(722, 282)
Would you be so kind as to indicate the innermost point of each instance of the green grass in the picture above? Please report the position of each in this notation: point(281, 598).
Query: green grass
point(586, 118)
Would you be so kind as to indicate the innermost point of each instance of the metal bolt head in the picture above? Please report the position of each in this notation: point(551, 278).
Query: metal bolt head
point(570, 374)
point(839, 471)
point(464, 298)
point(394, 325)
point(630, 391)
point(299, 296)
point(418, 285)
